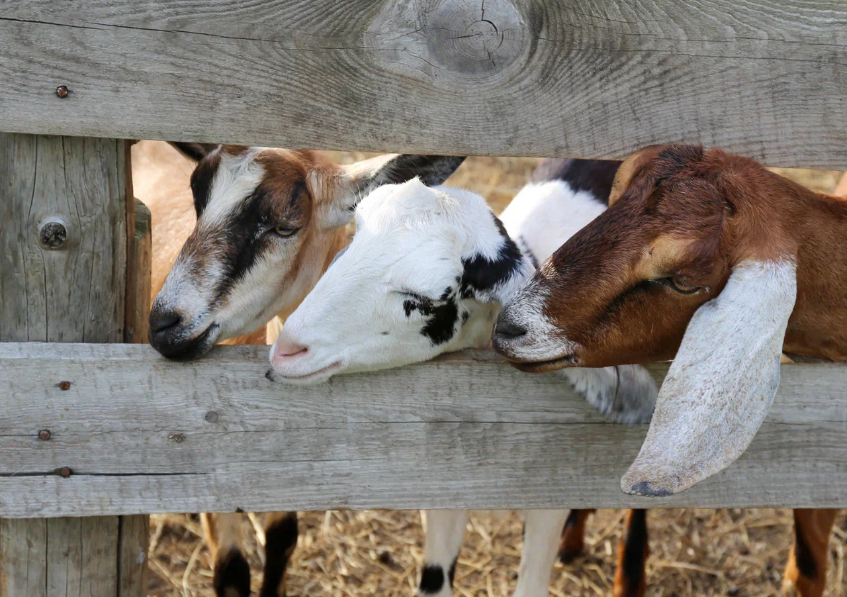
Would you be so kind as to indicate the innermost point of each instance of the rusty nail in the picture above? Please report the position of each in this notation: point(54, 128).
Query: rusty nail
point(62, 91)
point(65, 472)
point(44, 434)
point(212, 416)
point(65, 385)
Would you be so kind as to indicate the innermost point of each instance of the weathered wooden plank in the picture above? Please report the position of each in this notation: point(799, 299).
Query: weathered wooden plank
point(134, 541)
point(63, 240)
point(139, 269)
point(63, 252)
point(142, 434)
point(496, 77)
point(23, 567)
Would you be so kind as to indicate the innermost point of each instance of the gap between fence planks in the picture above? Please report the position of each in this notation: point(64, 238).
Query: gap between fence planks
point(493, 77)
point(142, 434)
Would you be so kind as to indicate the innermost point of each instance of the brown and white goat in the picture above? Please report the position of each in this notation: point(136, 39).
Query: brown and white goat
point(245, 242)
point(712, 259)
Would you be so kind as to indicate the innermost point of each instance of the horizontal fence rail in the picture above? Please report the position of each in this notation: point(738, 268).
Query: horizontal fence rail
point(492, 77)
point(97, 429)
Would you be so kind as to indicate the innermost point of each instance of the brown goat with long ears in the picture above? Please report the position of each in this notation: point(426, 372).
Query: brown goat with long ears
point(712, 259)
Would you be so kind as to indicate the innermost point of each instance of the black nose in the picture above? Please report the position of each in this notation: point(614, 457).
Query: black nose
point(163, 319)
point(509, 329)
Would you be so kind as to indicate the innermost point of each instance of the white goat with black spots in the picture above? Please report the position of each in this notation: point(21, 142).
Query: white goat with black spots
point(426, 274)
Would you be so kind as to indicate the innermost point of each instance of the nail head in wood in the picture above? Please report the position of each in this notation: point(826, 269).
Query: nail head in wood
point(64, 385)
point(44, 434)
point(52, 234)
point(212, 416)
point(65, 472)
point(62, 91)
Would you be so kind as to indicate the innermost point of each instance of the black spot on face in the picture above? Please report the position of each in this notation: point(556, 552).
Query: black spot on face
point(441, 325)
point(483, 275)
point(447, 292)
point(385, 333)
point(432, 579)
point(247, 233)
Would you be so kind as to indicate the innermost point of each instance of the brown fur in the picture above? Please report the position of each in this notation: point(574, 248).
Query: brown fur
point(691, 215)
point(161, 181)
point(573, 535)
point(633, 549)
point(160, 176)
point(805, 573)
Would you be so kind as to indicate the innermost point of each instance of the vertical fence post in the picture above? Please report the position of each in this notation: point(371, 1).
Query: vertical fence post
point(64, 222)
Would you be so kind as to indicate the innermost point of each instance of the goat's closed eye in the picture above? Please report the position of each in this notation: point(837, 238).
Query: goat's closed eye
point(679, 285)
point(285, 231)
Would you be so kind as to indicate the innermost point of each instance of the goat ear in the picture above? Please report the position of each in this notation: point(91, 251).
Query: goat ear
point(629, 168)
point(359, 179)
point(721, 384)
point(194, 151)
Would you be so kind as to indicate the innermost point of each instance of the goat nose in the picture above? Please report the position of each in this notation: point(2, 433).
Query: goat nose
point(162, 319)
point(509, 329)
point(285, 349)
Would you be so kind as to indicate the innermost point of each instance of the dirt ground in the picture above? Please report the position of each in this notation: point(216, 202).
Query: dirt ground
point(379, 553)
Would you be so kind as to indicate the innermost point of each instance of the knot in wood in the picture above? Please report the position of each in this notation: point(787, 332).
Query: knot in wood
point(477, 37)
point(52, 234)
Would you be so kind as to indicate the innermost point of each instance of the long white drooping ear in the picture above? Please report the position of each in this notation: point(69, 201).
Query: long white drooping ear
point(721, 384)
point(359, 179)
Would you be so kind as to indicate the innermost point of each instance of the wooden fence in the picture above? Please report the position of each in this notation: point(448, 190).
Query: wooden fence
point(110, 432)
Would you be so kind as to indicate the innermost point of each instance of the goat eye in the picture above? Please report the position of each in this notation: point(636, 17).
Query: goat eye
point(681, 286)
point(285, 231)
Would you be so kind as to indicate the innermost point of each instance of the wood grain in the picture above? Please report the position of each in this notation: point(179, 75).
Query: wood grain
point(73, 291)
point(143, 434)
point(496, 77)
point(138, 279)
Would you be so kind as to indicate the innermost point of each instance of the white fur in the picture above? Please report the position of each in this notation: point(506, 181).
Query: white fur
point(722, 382)
point(412, 237)
point(546, 214)
point(408, 238)
point(235, 179)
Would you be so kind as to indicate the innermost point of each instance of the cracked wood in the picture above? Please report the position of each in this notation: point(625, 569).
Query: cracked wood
point(498, 77)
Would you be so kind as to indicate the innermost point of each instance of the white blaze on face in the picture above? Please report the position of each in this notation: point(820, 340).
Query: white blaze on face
point(194, 286)
point(721, 384)
point(414, 283)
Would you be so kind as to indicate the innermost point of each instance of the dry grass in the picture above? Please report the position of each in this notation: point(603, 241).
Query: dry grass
point(364, 554)
point(707, 553)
